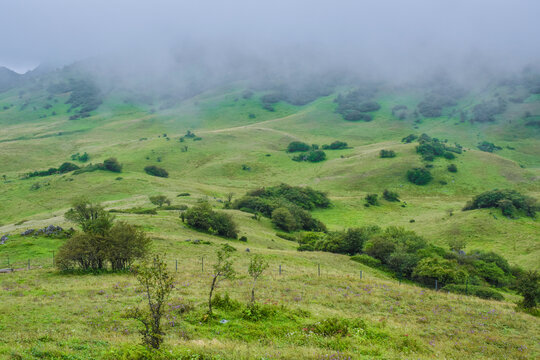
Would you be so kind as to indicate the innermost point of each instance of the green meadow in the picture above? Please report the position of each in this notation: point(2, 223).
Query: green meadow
point(45, 314)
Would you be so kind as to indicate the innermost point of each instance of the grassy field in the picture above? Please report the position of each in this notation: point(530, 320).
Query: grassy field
point(44, 314)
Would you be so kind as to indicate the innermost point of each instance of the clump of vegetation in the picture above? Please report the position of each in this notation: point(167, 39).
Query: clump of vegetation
point(355, 105)
point(203, 218)
point(387, 153)
point(160, 200)
point(400, 111)
point(486, 111)
point(430, 148)
point(82, 158)
point(157, 284)
point(510, 202)
point(419, 176)
point(452, 168)
point(409, 138)
point(312, 156)
point(336, 145)
point(372, 199)
point(102, 241)
point(298, 146)
point(528, 285)
point(390, 196)
point(156, 171)
point(293, 202)
point(84, 95)
point(483, 292)
point(110, 164)
point(63, 169)
point(442, 95)
point(488, 147)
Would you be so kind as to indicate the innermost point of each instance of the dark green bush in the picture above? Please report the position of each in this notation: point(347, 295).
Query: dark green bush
point(419, 176)
point(366, 260)
point(336, 145)
point(202, 217)
point(372, 199)
point(488, 147)
point(452, 168)
point(112, 164)
point(387, 153)
point(509, 201)
point(156, 171)
point(390, 196)
point(298, 146)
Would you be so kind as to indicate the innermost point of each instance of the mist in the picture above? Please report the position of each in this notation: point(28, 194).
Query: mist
point(386, 39)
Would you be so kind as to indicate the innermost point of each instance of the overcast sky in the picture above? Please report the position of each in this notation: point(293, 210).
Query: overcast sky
point(399, 36)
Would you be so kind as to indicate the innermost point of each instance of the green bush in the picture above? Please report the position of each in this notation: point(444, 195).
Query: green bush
point(479, 291)
point(298, 146)
point(111, 164)
point(390, 196)
point(366, 260)
point(156, 171)
point(283, 219)
point(509, 201)
point(419, 176)
point(202, 217)
point(452, 168)
point(372, 199)
point(387, 153)
point(336, 145)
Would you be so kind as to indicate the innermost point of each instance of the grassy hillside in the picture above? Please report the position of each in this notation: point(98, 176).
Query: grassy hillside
point(242, 147)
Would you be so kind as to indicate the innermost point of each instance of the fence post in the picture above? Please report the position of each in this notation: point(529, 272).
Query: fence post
point(360, 274)
point(435, 284)
point(319, 269)
point(176, 265)
point(8, 260)
point(202, 264)
point(28, 264)
point(53, 257)
point(279, 269)
point(467, 286)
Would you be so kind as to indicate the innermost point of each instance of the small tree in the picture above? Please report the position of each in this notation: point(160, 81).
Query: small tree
point(223, 269)
point(157, 284)
point(113, 165)
point(528, 285)
point(390, 196)
point(92, 218)
point(457, 244)
point(159, 200)
point(257, 265)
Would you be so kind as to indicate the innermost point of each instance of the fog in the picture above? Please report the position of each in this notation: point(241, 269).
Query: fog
point(387, 39)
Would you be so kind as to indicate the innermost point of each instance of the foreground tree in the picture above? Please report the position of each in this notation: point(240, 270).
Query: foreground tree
point(157, 284)
point(223, 269)
point(92, 218)
point(257, 265)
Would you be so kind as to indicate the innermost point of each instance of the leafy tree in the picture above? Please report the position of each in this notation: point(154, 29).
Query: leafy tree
point(202, 217)
point(316, 156)
point(224, 225)
point(92, 218)
point(257, 265)
point(159, 200)
point(126, 244)
point(157, 284)
point(223, 269)
point(528, 285)
point(419, 176)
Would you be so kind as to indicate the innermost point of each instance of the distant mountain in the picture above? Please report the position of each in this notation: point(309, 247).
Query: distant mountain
point(9, 79)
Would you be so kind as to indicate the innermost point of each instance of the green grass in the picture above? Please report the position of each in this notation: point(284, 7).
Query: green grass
point(47, 315)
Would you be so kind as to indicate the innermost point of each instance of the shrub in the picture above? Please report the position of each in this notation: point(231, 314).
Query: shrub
point(126, 244)
point(111, 164)
point(449, 155)
point(330, 327)
point(316, 156)
point(479, 291)
point(509, 201)
point(202, 217)
point(380, 247)
point(283, 219)
point(156, 171)
point(336, 145)
point(257, 265)
point(419, 176)
point(366, 260)
point(409, 138)
point(444, 271)
point(390, 196)
point(67, 167)
point(223, 269)
point(387, 153)
point(452, 168)
point(488, 147)
point(372, 199)
point(298, 146)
